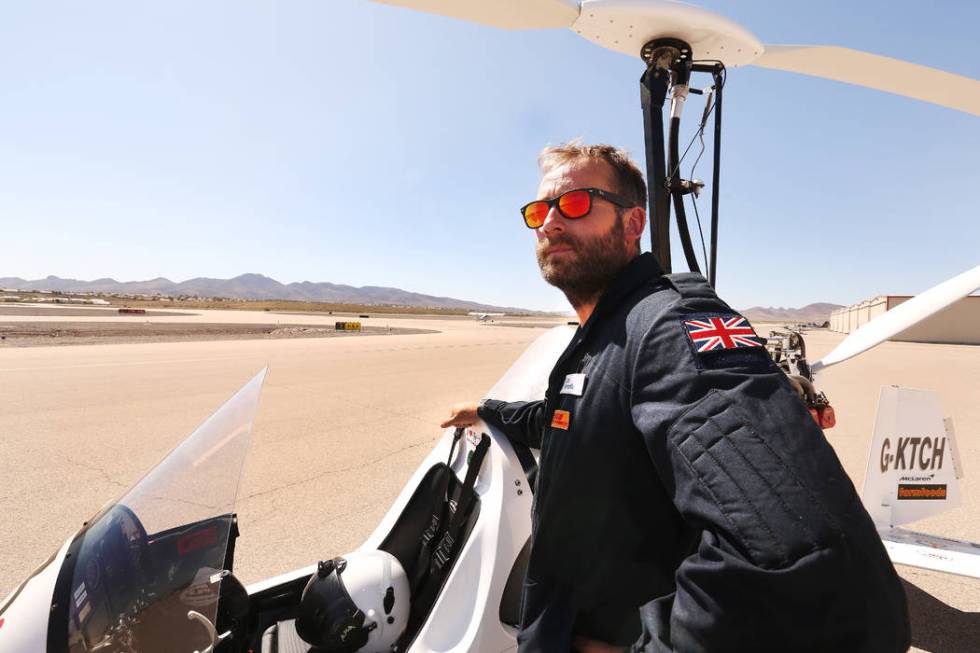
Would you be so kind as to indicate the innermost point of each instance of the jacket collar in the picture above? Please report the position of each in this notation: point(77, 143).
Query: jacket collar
point(640, 270)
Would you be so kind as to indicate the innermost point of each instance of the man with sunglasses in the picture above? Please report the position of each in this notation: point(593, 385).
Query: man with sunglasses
point(679, 471)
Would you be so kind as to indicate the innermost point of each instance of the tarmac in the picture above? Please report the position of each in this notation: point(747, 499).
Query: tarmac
point(343, 422)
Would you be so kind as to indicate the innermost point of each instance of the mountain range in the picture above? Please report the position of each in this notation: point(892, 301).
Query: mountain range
point(255, 286)
point(818, 312)
point(258, 286)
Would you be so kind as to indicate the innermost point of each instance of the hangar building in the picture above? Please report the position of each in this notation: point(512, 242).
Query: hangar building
point(956, 324)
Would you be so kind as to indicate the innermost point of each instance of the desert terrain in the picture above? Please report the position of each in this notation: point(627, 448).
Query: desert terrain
point(344, 421)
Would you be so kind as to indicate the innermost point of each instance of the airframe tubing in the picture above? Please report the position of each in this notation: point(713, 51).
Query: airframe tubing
point(653, 93)
point(716, 73)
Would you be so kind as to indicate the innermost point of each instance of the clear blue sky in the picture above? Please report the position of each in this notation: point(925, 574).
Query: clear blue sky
point(357, 143)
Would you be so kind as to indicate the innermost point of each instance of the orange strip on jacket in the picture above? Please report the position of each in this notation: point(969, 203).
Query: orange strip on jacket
point(560, 419)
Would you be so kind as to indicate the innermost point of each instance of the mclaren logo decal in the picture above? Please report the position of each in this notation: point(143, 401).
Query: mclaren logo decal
point(916, 492)
point(913, 454)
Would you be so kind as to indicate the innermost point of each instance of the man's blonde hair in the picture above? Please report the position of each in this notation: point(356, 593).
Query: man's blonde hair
point(626, 174)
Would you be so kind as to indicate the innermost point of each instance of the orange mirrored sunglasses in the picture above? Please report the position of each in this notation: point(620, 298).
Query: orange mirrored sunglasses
point(573, 204)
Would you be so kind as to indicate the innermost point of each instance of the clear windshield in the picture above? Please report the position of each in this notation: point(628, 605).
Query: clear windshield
point(150, 559)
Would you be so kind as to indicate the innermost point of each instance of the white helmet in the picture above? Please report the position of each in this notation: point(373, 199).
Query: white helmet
point(356, 603)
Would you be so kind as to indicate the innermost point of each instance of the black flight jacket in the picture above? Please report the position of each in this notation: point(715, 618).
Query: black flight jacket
point(687, 477)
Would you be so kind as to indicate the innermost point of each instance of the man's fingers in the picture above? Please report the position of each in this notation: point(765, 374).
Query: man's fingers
point(457, 420)
point(464, 414)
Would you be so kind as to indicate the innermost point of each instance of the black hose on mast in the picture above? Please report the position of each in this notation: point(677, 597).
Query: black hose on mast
point(678, 196)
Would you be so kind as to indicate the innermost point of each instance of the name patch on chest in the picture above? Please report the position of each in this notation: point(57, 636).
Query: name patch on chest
point(574, 385)
point(561, 419)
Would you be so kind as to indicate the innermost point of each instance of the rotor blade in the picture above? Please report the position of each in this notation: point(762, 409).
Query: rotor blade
point(506, 14)
point(877, 72)
point(902, 317)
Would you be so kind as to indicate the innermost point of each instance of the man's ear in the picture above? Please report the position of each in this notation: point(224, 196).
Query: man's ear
point(635, 221)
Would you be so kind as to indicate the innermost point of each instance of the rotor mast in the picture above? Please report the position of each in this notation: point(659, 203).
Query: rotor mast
point(669, 66)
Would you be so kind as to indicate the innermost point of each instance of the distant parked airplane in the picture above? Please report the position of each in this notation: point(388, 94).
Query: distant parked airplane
point(485, 317)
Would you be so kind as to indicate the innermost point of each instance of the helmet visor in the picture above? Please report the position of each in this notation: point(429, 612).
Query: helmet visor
point(329, 619)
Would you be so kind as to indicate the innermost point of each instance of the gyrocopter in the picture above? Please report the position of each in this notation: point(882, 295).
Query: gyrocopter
point(443, 570)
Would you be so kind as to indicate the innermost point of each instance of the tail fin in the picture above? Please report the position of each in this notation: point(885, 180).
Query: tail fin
point(913, 472)
point(913, 466)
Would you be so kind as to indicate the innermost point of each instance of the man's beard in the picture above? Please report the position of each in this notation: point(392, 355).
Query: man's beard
point(589, 268)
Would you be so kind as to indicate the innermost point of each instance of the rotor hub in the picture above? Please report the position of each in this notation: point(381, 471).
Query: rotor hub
point(666, 54)
point(629, 26)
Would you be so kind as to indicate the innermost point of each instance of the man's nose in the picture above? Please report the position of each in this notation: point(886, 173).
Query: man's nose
point(553, 223)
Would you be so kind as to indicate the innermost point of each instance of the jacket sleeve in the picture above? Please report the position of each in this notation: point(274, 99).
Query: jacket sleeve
point(521, 421)
point(787, 556)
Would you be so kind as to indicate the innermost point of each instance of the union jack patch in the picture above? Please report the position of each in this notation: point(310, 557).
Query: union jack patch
point(719, 332)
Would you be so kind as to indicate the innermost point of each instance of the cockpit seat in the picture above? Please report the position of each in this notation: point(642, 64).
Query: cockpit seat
point(283, 638)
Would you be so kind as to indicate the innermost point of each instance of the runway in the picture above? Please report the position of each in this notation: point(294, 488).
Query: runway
point(344, 421)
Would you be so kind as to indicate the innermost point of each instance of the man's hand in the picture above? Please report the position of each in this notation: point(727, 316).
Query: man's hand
point(463, 414)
